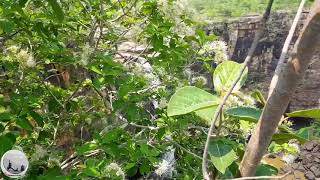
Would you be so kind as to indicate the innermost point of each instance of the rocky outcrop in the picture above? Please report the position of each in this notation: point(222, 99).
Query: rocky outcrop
point(239, 35)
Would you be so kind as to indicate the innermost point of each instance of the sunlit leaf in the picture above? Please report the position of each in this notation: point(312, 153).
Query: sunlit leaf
point(189, 99)
point(308, 113)
point(225, 75)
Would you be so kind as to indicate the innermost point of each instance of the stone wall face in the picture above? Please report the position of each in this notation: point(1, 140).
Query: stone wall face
point(239, 36)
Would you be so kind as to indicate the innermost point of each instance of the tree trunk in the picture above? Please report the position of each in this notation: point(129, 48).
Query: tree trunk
point(285, 82)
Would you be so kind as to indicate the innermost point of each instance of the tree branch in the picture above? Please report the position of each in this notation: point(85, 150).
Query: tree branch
point(288, 78)
point(257, 37)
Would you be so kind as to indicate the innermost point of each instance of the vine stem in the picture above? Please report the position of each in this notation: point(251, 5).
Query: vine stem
point(252, 49)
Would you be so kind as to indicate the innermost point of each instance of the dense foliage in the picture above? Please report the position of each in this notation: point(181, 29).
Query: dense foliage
point(84, 87)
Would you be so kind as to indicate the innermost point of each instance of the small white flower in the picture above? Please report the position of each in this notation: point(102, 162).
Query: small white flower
point(201, 80)
point(163, 103)
point(289, 158)
point(31, 62)
point(114, 169)
point(23, 55)
point(13, 49)
point(166, 166)
point(219, 48)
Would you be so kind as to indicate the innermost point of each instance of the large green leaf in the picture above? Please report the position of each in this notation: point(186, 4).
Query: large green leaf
point(308, 113)
point(5, 144)
point(207, 113)
point(189, 99)
point(222, 154)
point(226, 73)
point(245, 113)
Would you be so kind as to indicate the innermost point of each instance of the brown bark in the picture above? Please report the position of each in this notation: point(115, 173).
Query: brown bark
point(286, 80)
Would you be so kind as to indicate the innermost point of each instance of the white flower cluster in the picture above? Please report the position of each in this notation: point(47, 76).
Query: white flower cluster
point(199, 80)
point(112, 170)
point(26, 58)
point(219, 48)
point(166, 166)
point(235, 100)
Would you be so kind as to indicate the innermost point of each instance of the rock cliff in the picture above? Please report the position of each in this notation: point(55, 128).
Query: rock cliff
point(239, 35)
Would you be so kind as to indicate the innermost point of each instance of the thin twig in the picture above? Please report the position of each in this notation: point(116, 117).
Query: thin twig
point(105, 102)
point(125, 14)
point(182, 148)
point(291, 33)
point(142, 126)
point(257, 37)
point(286, 45)
point(264, 177)
point(74, 92)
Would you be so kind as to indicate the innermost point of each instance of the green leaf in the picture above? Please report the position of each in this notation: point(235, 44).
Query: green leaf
point(245, 113)
point(281, 138)
point(5, 117)
point(266, 170)
point(91, 172)
point(24, 124)
point(37, 117)
point(258, 96)
point(57, 9)
point(309, 113)
point(222, 154)
point(86, 148)
point(6, 25)
point(5, 144)
point(226, 73)
point(305, 133)
point(207, 113)
point(189, 99)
